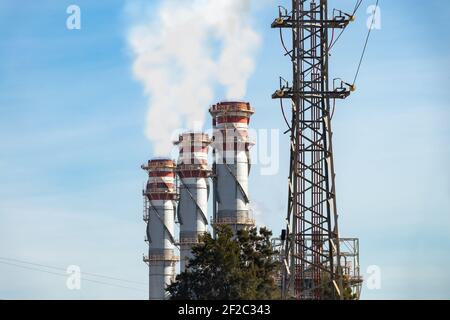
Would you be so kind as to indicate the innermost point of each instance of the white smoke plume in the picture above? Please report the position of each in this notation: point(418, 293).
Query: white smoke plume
point(182, 51)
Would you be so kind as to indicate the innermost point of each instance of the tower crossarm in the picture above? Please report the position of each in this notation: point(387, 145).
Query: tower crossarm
point(289, 23)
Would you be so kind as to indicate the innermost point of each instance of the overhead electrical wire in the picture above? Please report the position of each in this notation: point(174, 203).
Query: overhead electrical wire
point(65, 275)
point(281, 100)
point(284, 115)
point(332, 110)
point(355, 10)
point(283, 44)
point(358, 4)
point(337, 38)
point(11, 260)
point(62, 269)
point(365, 44)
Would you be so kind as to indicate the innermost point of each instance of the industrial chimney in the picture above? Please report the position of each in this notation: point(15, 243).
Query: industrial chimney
point(193, 173)
point(231, 166)
point(159, 212)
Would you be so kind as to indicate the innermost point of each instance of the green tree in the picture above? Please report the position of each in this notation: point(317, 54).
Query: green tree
point(258, 264)
point(229, 268)
point(329, 292)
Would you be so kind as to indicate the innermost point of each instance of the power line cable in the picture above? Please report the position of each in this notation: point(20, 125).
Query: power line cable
point(284, 115)
point(65, 275)
point(358, 4)
point(62, 269)
point(355, 10)
point(365, 44)
point(364, 49)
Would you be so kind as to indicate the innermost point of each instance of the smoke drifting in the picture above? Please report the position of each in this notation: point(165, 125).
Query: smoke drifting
point(182, 51)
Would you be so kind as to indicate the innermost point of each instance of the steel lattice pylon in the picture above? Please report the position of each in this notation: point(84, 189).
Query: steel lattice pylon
point(312, 248)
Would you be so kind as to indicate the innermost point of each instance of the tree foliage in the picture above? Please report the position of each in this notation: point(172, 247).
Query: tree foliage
point(329, 292)
point(230, 267)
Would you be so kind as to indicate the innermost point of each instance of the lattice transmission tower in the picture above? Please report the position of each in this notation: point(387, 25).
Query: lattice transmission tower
point(313, 259)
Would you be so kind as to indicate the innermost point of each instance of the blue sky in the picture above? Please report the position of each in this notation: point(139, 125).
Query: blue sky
point(72, 121)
